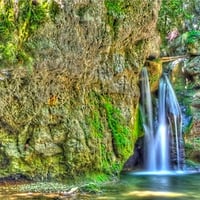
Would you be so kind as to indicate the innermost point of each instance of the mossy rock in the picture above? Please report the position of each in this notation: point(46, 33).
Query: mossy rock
point(155, 71)
point(193, 42)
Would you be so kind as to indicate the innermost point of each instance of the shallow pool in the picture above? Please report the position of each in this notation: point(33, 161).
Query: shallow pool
point(138, 187)
point(150, 187)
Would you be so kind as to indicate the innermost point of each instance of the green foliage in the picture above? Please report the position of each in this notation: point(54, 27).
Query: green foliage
point(114, 7)
point(29, 19)
point(94, 182)
point(191, 163)
point(17, 24)
point(170, 15)
point(192, 36)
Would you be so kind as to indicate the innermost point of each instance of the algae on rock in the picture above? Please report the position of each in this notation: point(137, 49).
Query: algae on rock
point(75, 112)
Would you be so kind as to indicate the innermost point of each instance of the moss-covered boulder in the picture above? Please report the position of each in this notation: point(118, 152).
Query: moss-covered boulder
point(76, 111)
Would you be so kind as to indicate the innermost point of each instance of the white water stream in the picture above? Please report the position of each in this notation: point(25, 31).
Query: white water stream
point(162, 144)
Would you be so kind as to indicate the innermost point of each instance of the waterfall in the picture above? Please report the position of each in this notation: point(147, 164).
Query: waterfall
point(163, 144)
point(175, 127)
point(147, 118)
point(162, 136)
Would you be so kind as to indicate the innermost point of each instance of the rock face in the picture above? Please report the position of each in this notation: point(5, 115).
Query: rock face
point(76, 112)
point(185, 70)
point(185, 76)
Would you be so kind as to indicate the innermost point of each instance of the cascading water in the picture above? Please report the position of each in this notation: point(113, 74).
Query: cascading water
point(162, 136)
point(163, 149)
point(174, 116)
point(147, 117)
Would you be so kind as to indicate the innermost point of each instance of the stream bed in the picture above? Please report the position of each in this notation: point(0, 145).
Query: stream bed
point(130, 187)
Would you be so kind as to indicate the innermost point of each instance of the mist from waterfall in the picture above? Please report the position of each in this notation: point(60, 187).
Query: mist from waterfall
point(163, 143)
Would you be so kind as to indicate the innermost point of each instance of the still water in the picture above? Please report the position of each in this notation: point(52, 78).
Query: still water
point(132, 187)
point(154, 187)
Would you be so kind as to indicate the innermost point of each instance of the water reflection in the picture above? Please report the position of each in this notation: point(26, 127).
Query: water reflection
point(162, 183)
point(132, 187)
point(166, 187)
point(146, 194)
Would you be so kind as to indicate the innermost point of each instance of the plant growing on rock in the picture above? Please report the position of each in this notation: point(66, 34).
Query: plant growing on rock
point(19, 20)
point(170, 16)
point(115, 11)
point(192, 36)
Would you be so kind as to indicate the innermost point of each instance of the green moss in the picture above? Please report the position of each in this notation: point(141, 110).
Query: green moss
point(94, 182)
point(114, 7)
point(96, 128)
point(121, 133)
point(103, 158)
point(192, 36)
point(138, 130)
point(36, 167)
point(115, 11)
point(113, 137)
point(17, 26)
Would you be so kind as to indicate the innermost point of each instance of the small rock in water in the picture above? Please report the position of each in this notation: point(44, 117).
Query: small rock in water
point(71, 191)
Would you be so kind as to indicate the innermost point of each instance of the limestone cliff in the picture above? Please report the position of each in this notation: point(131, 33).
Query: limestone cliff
point(76, 111)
